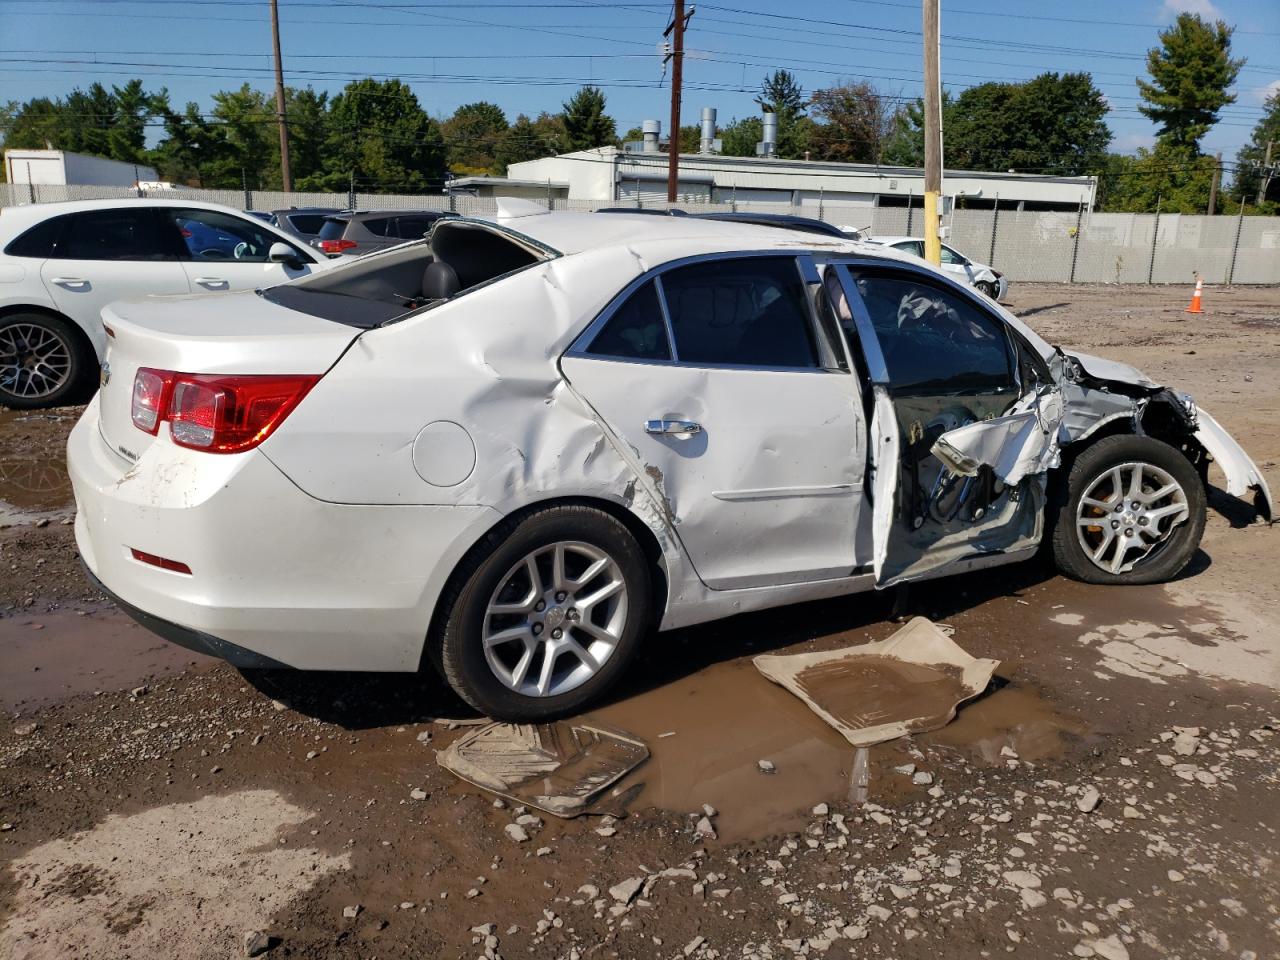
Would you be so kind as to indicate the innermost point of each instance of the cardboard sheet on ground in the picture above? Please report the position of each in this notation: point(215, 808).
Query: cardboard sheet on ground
point(557, 767)
point(909, 683)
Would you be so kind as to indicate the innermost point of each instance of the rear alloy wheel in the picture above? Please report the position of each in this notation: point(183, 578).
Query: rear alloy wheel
point(1135, 512)
point(41, 361)
point(549, 618)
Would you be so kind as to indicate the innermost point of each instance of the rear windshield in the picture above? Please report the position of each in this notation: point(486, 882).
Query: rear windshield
point(308, 222)
point(332, 229)
point(389, 286)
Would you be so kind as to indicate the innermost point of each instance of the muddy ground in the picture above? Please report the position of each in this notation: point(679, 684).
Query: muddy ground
point(1113, 793)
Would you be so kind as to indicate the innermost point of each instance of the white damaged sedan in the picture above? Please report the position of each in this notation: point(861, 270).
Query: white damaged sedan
point(517, 448)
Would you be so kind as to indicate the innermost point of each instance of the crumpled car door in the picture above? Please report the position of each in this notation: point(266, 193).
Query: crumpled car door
point(984, 467)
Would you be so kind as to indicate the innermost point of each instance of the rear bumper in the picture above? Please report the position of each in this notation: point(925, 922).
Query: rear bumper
point(275, 574)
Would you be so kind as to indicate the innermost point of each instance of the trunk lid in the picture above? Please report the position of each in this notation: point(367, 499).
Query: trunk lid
point(237, 333)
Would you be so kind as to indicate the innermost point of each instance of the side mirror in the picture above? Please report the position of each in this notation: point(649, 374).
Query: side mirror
point(283, 253)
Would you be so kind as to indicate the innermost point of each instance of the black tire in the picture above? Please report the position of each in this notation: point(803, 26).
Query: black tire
point(1165, 561)
point(987, 287)
point(458, 649)
point(15, 384)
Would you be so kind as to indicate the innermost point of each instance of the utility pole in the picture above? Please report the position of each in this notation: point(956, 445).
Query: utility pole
point(1213, 184)
point(1262, 174)
point(675, 30)
point(285, 176)
point(932, 133)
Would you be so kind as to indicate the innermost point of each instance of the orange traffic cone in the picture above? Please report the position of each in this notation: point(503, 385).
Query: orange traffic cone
point(1195, 297)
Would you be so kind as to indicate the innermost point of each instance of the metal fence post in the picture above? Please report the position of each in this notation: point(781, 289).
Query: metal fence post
point(551, 200)
point(733, 199)
point(1235, 247)
point(908, 213)
point(1075, 246)
point(995, 226)
point(244, 185)
point(821, 191)
point(351, 192)
point(1155, 237)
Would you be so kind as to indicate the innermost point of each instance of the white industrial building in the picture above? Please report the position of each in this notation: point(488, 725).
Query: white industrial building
point(64, 168)
point(637, 174)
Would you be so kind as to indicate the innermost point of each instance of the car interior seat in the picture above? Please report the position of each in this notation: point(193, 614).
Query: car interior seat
point(439, 281)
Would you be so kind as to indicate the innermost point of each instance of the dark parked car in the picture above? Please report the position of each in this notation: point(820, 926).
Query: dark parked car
point(302, 222)
point(365, 231)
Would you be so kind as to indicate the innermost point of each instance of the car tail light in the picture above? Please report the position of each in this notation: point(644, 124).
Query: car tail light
point(337, 246)
point(220, 414)
point(150, 393)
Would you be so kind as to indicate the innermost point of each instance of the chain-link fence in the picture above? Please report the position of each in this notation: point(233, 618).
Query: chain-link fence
point(1059, 246)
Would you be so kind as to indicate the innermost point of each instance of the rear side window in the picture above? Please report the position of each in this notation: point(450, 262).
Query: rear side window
point(125, 234)
point(377, 226)
point(415, 228)
point(636, 330)
point(750, 311)
point(333, 229)
point(39, 241)
point(307, 222)
point(911, 246)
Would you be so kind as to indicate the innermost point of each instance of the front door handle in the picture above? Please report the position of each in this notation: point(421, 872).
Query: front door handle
point(69, 281)
point(680, 429)
point(211, 282)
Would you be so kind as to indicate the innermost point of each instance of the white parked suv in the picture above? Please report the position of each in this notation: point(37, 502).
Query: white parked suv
point(61, 263)
point(517, 448)
point(990, 281)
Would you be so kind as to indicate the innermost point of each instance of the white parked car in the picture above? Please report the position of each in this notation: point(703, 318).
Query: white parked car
point(515, 449)
point(990, 281)
point(61, 263)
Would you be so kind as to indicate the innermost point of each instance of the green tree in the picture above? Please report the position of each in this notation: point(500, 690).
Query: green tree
point(1249, 159)
point(740, 137)
point(904, 143)
point(782, 95)
point(1173, 176)
point(251, 143)
point(853, 123)
point(193, 149)
point(1191, 72)
point(529, 140)
point(308, 114)
point(586, 124)
point(473, 134)
point(381, 136)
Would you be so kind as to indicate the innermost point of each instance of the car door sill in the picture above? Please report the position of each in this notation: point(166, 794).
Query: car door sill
point(778, 493)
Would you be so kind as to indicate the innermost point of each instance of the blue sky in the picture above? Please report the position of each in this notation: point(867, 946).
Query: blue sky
point(531, 57)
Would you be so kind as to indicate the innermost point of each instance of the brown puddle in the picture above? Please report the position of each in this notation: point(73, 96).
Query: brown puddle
point(33, 474)
point(724, 719)
point(51, 656)
point(871, 691)
point(1012, 716)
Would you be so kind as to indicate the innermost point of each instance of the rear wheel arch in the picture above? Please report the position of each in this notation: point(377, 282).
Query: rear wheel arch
point(492, 537)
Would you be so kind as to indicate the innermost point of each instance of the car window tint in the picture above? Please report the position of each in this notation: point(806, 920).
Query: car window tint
point(934, 341)
point(750, 311)
point(950, 256)
point(307, 222)
point(128, 234)
point(377, 226)
point(38, 241)
point(333, 229)
point(213, 235)
point(414, 228)
point(636, 329)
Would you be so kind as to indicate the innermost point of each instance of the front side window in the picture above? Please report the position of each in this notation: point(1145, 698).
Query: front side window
point(124, 234)
point(748, 311)
point(934, 341)
point(213, 235)
point(636, 330)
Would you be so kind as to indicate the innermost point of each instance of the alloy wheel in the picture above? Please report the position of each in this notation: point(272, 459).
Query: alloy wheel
point(1128, 514)
point(35, 361)
point(555, 618)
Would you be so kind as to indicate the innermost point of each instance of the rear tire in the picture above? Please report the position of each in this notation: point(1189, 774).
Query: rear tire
point(566, 584)
point(1111, 528)
point(44, 361)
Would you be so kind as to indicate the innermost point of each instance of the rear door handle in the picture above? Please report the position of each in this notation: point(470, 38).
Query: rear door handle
point(680, 429)
point(69, 281)
point(211, 281)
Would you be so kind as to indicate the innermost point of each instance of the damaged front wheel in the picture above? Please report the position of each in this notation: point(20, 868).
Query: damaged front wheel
point(1134, 513)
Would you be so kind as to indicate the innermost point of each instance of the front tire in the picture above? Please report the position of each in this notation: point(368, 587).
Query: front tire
point(546, 614)
point(43, 362)
point(988, 288)
point(1134, 512)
